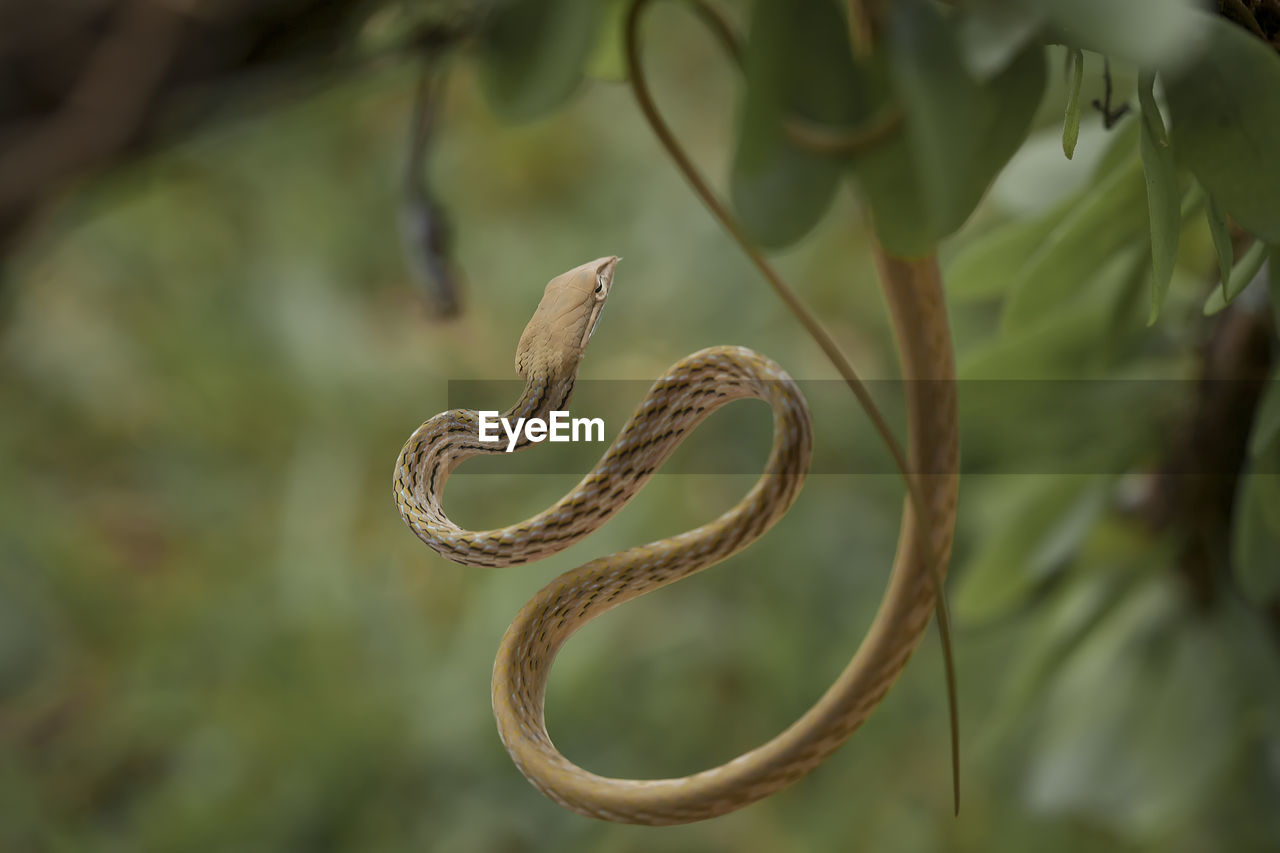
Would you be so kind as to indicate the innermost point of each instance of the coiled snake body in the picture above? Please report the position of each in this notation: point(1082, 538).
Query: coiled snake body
point(547, 358)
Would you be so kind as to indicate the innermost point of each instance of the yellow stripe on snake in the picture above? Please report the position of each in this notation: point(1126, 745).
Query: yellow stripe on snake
point(547, 358)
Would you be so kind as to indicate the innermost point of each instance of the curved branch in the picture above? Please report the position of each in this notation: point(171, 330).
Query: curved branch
point(824, 340)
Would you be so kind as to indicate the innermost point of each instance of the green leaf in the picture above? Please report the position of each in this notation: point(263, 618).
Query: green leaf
point(1245, 270)
point(797, 63)
point(1143, 32)
point(961, 133)
point(1109, 217)
point(1221, 240)
point(1266, 420)
point(1057, 345)
point(992, 32)
point(1136, 727)
point(987, 266)
point(1164, 198)
point(1071, 124)
point(1226, 123)
point(532, 53)
point(1085, 333)
point(1049, 518)
point(887, 179)
point(1051, 347)
point(1017, 425)
point(1255, 540)
point(1109, 565)
point(1124, 142)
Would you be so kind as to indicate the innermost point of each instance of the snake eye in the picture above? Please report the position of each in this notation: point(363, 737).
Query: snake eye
point(600, 287)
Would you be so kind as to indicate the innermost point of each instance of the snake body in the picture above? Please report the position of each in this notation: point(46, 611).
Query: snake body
point(689, 392)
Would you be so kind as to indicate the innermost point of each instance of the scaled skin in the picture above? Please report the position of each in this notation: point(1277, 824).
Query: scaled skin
point(547, 357)
point(556, 338)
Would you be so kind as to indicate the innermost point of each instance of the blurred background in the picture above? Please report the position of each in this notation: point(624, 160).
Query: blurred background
point(217, 634)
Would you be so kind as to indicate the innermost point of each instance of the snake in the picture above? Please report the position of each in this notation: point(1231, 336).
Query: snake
point(547, 359)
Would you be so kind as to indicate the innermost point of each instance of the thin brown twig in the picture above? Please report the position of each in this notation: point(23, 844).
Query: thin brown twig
point(1109, 115)
point(839, 142)
point(425, 233)
point(104, 109)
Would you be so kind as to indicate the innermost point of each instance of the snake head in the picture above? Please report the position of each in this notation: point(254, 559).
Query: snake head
point(556, 337)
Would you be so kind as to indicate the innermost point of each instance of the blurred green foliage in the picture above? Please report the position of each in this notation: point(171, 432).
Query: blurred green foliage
point(215, 633)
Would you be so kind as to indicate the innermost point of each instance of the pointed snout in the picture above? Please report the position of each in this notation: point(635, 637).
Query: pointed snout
point(607, 265)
